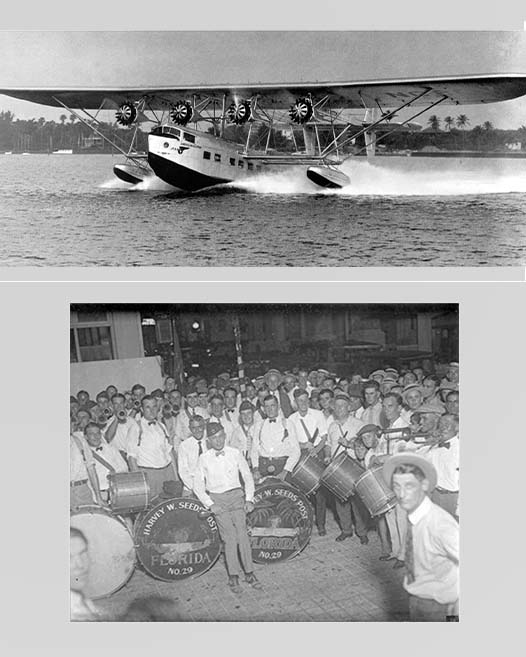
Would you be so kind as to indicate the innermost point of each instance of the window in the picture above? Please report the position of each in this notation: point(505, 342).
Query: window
point(95, 343)
point(189, 137)
point(240, 164)
point(206, 155)
point(72, 347)
point(250, 166)
point(232, 161)
point(217, 157)
point(90, 317)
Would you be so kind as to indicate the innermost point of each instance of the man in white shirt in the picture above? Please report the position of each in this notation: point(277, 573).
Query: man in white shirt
point(354, 392)
point(152, 452)
point(432, 542)
point(276, 450)
point(231, 406)
point(373, 403)
point(122, 430)
point(83, 480)
point(182, 424)
point(326, 400)
point(217, 414)
point(107, 458)
point(444, 455)
point(243, 436)
point(340, 437)
point(413, 396)
point(311, 430)
point(217, 485)
point(189, 452)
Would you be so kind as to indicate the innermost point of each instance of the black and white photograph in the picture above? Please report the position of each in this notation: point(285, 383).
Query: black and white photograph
point(264, 462)
point(258, 148)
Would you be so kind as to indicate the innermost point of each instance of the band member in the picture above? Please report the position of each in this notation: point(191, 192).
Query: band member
point(452, 402)
point(189, 452)
point(243, 436)
point(231, 405)
point(289, 386)
point(354, 392)
point(81, 608)
point(169, 384)
point(430, 388)
point(276, 450)
point(326, 400)
point(217, 485)
point(311, 430)
point(444, 455)
point(182, 425)
point(217, 414)
point(413, 397)
point(83, 398)
point(340, 439)
point(432, 542)
point(273, 381)
point(452, 377)
point(108, 459)
point(373, 403)
point(84, 483)
point(152, 452)
point(429, 417)
point(122, 430)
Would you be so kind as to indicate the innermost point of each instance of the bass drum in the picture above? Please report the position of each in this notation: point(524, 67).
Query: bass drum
point(280, 526)
point(176, 539)
point(110, 547)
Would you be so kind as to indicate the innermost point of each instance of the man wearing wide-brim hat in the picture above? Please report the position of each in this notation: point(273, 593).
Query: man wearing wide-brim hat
point(432, 540)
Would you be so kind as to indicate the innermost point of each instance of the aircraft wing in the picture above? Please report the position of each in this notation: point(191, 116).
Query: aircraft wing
point(460, 90)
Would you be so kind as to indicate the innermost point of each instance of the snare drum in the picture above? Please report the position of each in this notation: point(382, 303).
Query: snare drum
point(374, 492)
point(341, 476)
point(110, 548)
point(129, 492)
point(307, 473)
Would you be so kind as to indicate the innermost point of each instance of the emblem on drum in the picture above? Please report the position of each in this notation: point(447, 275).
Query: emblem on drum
point(177, 539)
point(281, 524)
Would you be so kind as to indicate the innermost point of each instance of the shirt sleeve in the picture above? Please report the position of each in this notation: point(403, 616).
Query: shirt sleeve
point(447, 536)
point(200, 485)
point(293, 448)
point(254, 456)
point(184, 468)
point(248, 480)
point(132, 437)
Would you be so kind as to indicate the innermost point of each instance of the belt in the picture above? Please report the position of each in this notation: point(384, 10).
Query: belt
point(443, 490)
point(78, 483)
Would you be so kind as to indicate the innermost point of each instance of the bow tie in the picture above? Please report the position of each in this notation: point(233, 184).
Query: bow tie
point(98, 449)
point(221, 453)
point(445, 445)
point(230, 410)
point(152, 422)
point(272, 420)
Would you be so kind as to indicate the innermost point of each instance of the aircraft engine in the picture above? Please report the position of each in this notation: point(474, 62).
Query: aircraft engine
point(182, 112)
point(126, 114)
point(301, 111)
point(239, 113)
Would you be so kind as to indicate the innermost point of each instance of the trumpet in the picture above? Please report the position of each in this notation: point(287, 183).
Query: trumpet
point(122, 415)
point(107, 412)
point(137, 405)
point(167, 410)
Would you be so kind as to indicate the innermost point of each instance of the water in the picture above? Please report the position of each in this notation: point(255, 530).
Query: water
point(70, 210)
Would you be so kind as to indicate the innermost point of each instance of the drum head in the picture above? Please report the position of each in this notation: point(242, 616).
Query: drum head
point(110, 548)
point(281, 524)
point(177, 539)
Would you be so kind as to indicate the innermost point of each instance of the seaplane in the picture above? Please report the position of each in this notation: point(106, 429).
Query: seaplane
point(203, 134)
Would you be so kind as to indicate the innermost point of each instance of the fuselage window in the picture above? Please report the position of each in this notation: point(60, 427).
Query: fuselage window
point(250, 166)
point(232, 161)
point(217, 157)
point(206, 155)
point(240, 164)
point(189, 137)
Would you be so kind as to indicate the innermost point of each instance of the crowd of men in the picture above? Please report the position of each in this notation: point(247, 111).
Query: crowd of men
point(261, 428)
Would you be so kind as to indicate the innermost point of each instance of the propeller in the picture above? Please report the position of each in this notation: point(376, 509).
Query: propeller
point(126, 114)
point(239, 113)
point(181, 113)
point(301, 111)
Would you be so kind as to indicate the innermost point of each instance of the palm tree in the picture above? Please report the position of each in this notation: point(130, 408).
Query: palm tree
point(449, 122)
point(462, 121)
point(434, 122)
point(63, 119)
point(487, 126)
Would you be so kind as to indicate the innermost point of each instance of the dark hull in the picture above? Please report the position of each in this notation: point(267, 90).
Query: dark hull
point(180, 176)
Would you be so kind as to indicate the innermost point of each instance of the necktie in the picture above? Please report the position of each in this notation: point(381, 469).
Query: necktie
point(152, 422)
point(221, 453)
point(200, 448)
point(272, 420)
point(409, 554)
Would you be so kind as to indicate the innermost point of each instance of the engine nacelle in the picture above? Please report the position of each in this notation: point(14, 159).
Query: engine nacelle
point(126, 114)
point(239, 113)
point(181, 113)
point(301, 111)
